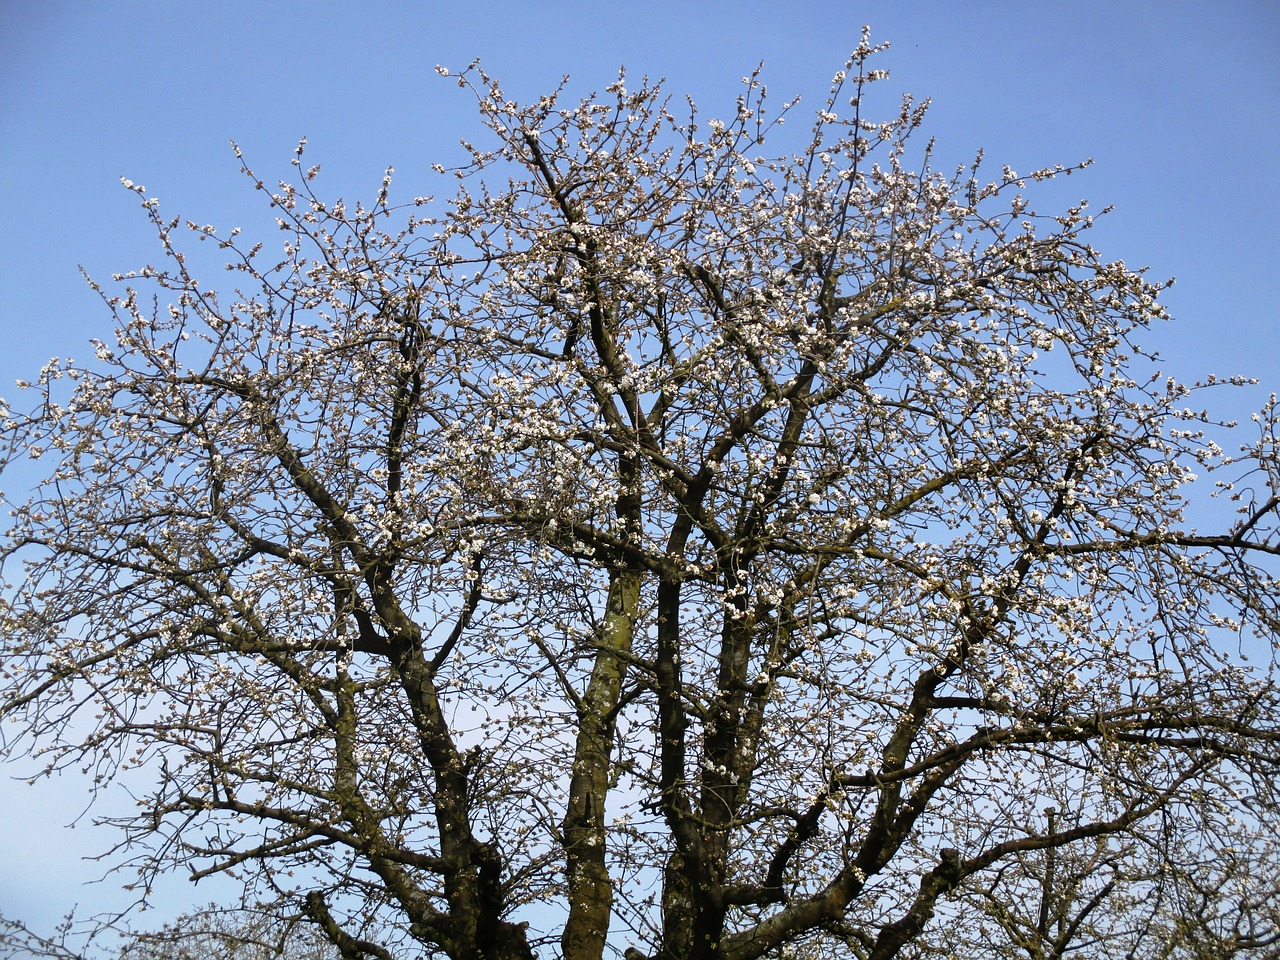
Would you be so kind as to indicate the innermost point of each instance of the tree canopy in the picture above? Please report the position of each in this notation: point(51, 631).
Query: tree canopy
point(666, 545)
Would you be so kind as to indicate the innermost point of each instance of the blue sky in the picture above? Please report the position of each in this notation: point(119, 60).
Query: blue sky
point(1177, 101)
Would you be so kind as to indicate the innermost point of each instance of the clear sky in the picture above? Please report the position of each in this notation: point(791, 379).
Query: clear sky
point(1177, 100)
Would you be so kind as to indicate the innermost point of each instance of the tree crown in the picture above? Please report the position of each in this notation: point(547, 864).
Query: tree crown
point(664, 545)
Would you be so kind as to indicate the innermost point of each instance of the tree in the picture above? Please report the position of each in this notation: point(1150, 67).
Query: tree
point(214, 933)
point(219, 934)
point(1134, 898)
point(658, 547)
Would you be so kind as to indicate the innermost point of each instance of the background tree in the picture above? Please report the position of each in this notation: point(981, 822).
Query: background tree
point(214, 933)
point(663, 546)
point(218, 934)
point(1214, 897)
